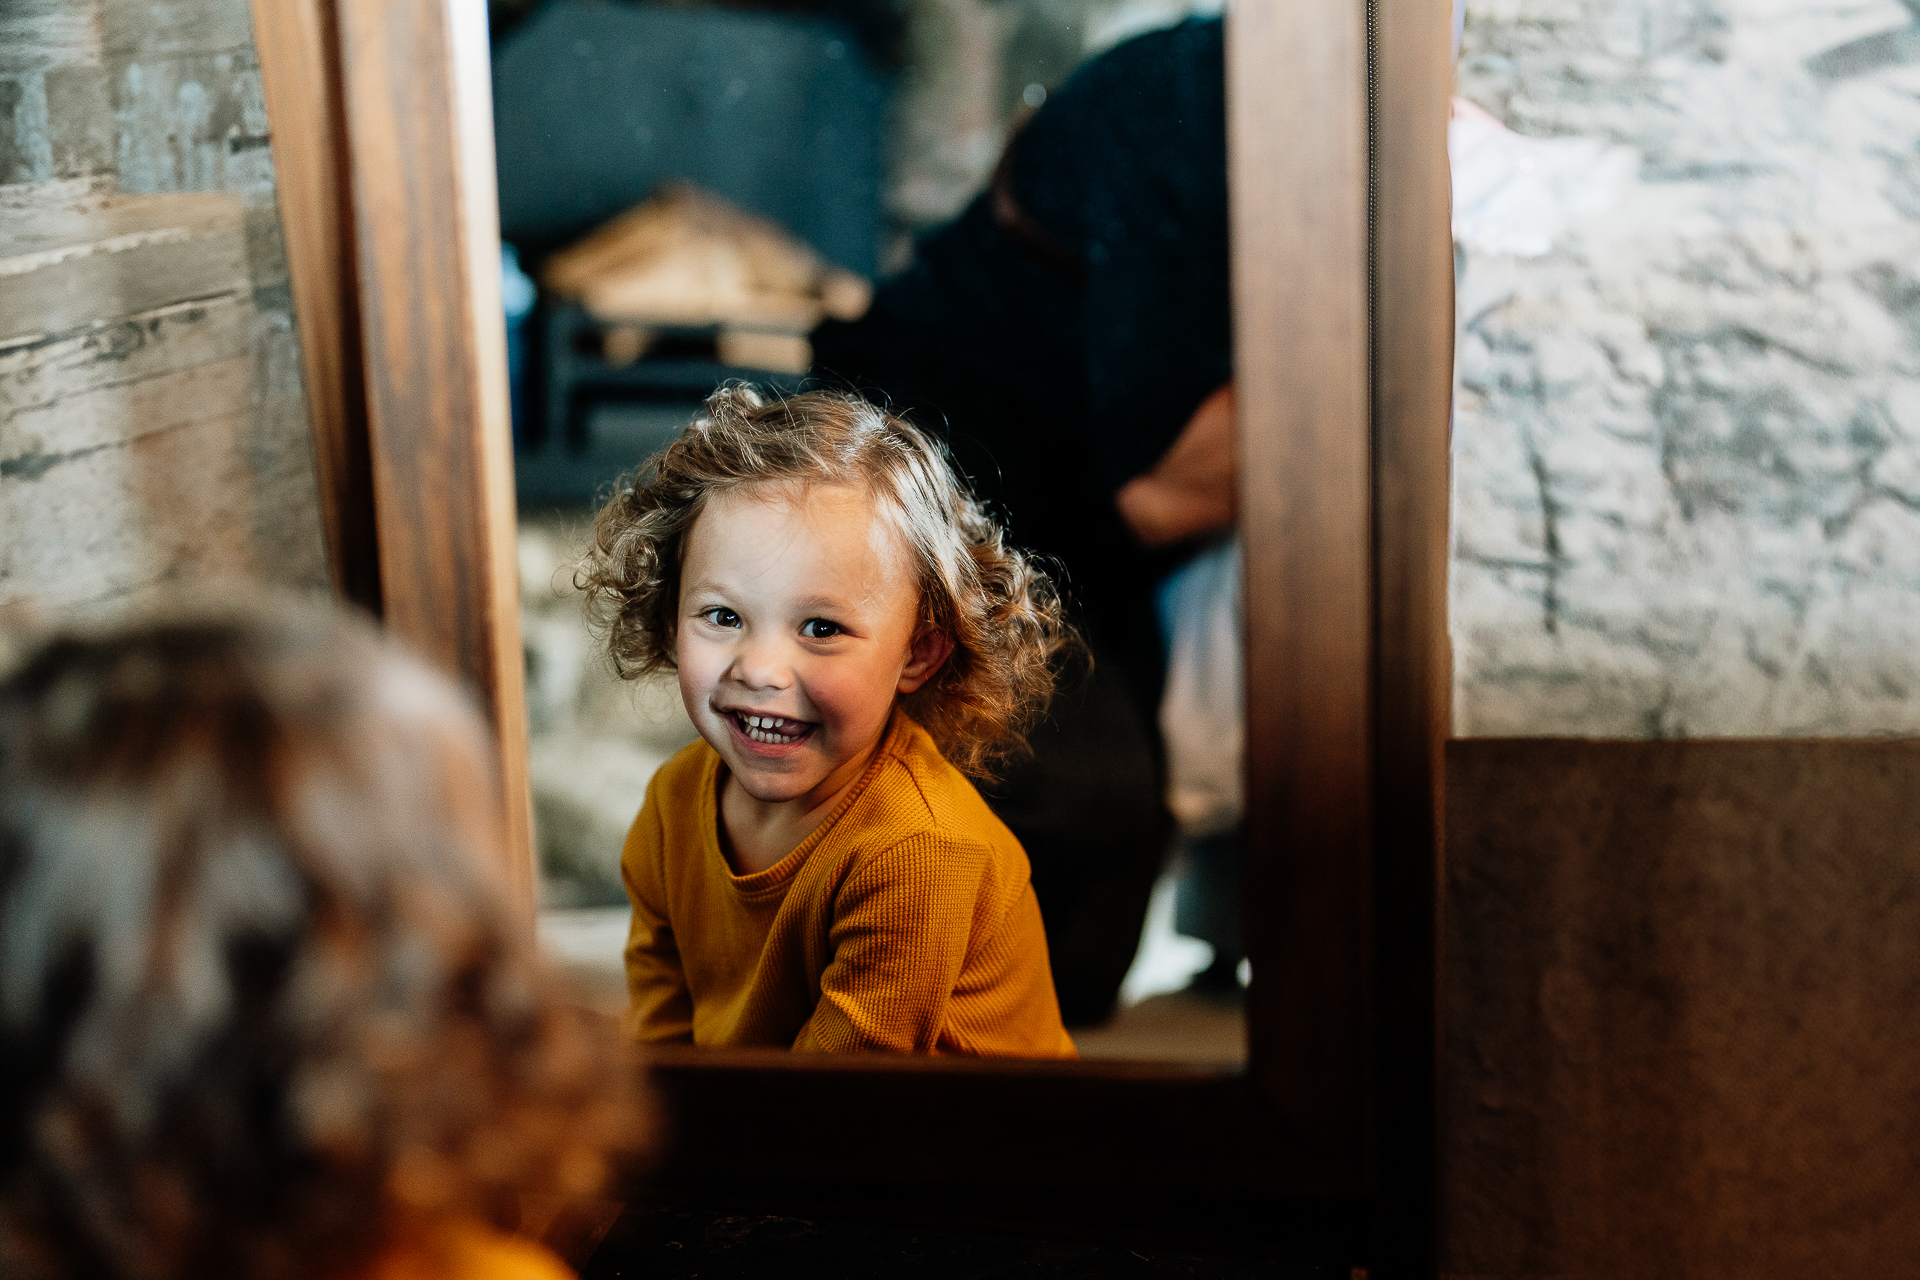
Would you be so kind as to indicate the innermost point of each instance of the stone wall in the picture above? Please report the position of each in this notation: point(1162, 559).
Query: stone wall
point(1687, 449)
point(153, 426)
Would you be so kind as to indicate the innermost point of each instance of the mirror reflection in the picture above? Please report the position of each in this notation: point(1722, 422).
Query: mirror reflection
point(964, 269)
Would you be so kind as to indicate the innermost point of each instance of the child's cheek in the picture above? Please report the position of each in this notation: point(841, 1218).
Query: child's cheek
point(697, 671)
point(851, 700)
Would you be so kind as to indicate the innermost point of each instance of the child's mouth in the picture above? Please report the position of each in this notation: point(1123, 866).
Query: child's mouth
point(773, 731)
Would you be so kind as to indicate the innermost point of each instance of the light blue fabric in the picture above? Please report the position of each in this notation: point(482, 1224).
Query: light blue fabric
point(516, 289)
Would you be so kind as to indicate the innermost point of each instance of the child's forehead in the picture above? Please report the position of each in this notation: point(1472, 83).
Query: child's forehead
point(772, 519)
point(834, 498)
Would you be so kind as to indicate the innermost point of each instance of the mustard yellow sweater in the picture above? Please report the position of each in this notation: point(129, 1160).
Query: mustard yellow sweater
point(465, 1251)
point(905, 922)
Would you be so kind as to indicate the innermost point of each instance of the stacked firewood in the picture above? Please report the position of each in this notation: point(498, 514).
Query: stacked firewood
point(686, 259)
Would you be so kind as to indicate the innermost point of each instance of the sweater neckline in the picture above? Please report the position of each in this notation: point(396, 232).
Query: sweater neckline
point(777, 876)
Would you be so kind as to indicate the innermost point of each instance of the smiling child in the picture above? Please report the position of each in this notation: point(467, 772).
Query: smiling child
point(852, 638)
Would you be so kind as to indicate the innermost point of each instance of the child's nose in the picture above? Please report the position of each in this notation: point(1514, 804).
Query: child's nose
point(761, 663)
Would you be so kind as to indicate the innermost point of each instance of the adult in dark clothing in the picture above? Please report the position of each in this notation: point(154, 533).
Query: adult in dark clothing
point(1066, 333)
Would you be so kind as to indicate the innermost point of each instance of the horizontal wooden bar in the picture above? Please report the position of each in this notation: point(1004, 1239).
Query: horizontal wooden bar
point(1150, 1150)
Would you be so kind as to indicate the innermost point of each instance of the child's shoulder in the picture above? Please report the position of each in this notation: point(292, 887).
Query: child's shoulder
point(921, 828)
point(920, 791)
point(674, 808)
point(684, 771)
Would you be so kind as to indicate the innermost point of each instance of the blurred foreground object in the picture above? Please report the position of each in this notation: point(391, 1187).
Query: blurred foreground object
point(267, 1007)
point(688, 259)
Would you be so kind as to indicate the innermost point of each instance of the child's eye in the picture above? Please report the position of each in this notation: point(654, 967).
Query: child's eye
point(819, 629)
point(720, 617)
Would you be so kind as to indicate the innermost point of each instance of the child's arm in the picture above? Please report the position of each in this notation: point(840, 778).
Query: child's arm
point(901, 927)
point(660, 1007)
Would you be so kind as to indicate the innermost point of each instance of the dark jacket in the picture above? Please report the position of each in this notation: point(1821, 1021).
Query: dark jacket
point(1061, 330)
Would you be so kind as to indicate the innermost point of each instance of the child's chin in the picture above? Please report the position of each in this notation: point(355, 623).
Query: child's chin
point(772, 788)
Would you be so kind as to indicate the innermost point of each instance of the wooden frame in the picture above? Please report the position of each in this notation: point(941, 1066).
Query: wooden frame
point(383, 148)
point(1342, 281)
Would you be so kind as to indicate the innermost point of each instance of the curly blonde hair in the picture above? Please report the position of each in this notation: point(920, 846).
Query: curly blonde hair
point(266, 1002)
point(998, 606)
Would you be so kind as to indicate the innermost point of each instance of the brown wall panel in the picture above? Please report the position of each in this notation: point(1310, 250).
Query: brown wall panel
point(1682, 988)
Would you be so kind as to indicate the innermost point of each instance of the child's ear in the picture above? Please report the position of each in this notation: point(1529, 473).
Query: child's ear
point(930, 648)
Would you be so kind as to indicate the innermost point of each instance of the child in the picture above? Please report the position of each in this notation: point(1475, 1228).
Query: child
point(852, 638)
point(266, 1007)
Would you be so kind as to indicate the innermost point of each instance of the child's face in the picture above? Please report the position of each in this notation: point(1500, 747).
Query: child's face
point(798, 607)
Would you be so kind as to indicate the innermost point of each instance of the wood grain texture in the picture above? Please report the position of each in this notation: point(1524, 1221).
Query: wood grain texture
point(1681, 991)
point(419, 123)
point(300, 72)
point(1413, 322)
point(1297, 135)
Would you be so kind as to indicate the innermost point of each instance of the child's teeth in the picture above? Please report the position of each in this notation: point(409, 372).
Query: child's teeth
point(769, 728)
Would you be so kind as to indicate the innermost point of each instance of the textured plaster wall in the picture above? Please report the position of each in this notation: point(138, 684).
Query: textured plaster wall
point(153, 427)
point(1687, 449)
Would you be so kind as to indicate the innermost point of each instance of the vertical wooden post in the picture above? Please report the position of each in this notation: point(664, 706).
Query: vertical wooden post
point(300, 72)
point(1412, 401)
point(1343, 311)
point(1297, 185)
point(406, 166)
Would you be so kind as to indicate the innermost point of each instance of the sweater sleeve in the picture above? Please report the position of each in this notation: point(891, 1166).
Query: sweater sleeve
point(902, 922)
point(660, 1006)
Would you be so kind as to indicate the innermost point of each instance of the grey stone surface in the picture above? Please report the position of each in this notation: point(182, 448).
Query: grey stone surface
point(1687, 447)
point(153, 422)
